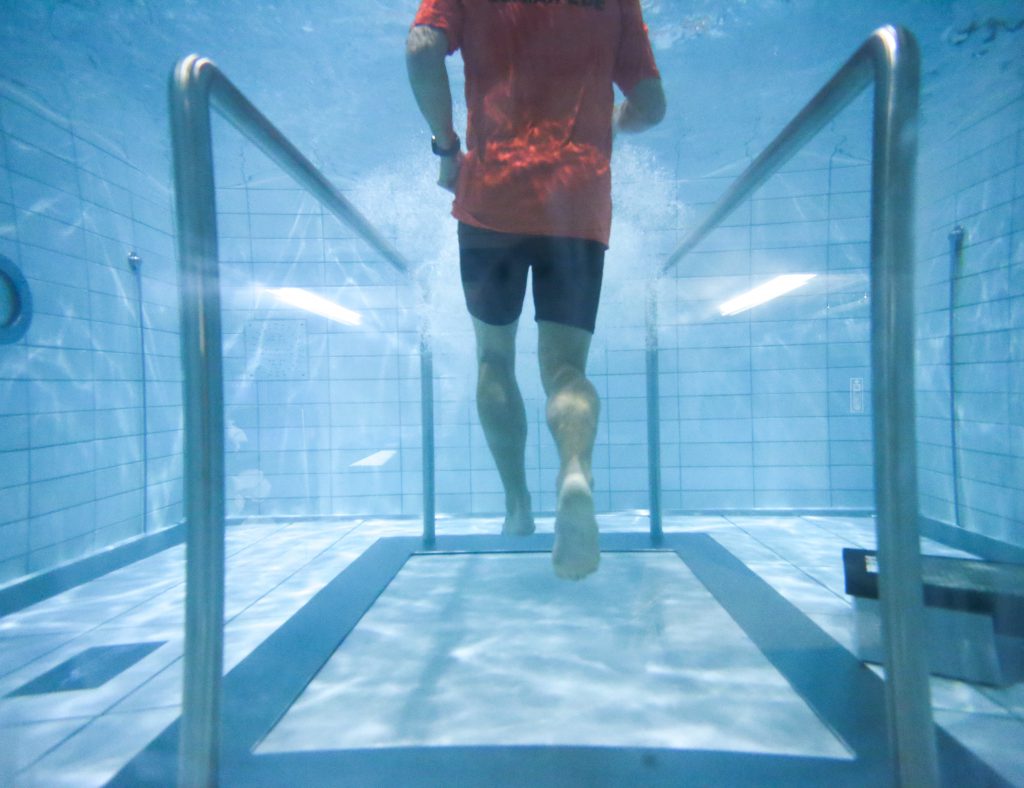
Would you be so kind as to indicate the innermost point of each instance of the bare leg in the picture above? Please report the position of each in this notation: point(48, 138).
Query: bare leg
point(503, 418)
point(572, 411)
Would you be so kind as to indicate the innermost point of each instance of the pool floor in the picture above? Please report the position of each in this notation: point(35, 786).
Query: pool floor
point(462, 650)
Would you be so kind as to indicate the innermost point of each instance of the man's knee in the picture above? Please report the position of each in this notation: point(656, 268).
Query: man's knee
point(496, 382)
point(495, 366)
point(562, 375)
point(562, 352)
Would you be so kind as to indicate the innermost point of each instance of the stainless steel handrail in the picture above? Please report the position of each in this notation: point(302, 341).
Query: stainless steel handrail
point(196, 86)
point(889, 59)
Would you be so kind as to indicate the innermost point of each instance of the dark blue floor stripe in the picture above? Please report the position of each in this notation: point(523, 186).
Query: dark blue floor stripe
point(545, 767)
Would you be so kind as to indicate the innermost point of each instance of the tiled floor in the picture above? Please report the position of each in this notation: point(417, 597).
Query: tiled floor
point(83, 737)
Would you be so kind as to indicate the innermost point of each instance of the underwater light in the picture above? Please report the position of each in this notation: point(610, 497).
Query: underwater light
point(374, 460)
point(311, 302)
point(761, 294)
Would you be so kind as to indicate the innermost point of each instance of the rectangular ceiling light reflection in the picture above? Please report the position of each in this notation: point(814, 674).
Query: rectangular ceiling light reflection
point(318, 305)
point(761, 294)
point(375, 460)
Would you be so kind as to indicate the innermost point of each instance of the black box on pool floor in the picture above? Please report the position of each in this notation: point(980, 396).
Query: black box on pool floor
point(974, 613)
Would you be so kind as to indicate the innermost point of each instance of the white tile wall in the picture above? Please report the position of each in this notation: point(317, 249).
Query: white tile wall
point(756, 408)
point(974, 178)
point(71, 471)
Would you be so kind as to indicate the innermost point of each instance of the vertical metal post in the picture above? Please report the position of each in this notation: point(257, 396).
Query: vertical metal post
point(204, 424)
point(196, 85)
point(911, 729)
point(427, 417)
point(135, 263)
point(890, 56)
point(956, 257)
point(653, 413)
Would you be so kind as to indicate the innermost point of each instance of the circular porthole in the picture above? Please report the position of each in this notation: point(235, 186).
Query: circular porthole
point(15, 302)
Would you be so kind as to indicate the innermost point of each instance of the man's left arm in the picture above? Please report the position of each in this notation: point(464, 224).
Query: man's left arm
point(425, 52)
point(643, 108)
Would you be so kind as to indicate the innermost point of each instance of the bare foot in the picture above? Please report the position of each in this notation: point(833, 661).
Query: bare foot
point(519, 519)
point(577, 552)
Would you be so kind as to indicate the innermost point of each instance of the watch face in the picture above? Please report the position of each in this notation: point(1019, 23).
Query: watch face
point(437, 149)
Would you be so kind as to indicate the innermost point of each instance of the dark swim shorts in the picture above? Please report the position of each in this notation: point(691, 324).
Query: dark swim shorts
point(566, 276)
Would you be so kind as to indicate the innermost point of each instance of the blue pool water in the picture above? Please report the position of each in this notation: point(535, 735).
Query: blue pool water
point(768, 410)
point(760, 410)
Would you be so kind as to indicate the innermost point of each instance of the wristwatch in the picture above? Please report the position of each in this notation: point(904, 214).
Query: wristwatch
point(445, 152)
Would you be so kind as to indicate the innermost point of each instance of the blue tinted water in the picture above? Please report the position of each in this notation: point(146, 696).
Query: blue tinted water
point(760, 410)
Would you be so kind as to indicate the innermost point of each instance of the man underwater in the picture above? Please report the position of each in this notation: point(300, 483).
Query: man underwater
point(533, 192)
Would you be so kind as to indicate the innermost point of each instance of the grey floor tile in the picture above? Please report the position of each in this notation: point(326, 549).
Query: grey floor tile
point(952, 695)
point(163, 689)
point(24, 744)
point(67, 616)
point(931, 547)
point(997, 739)
point(18, 651)
point(95, 753)
point(1010, 698)
point(696, 523)
point(838, 626)
point(85, 702)
point(744, 546)
point(162, 610)
point(89, 669)
point(284, 599)
point(804, 592)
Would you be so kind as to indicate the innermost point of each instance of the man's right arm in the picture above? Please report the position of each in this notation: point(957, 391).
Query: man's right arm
point(643, 107)
point(425, 53)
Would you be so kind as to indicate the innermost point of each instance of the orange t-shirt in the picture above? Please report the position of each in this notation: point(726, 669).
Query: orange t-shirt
point(539, 77)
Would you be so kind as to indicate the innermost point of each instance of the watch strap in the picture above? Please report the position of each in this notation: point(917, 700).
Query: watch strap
point(445, 152)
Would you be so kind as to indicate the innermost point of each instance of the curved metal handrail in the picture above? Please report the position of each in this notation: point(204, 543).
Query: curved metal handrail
point(889, 59)
point(197, 85)
point(881, 58)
